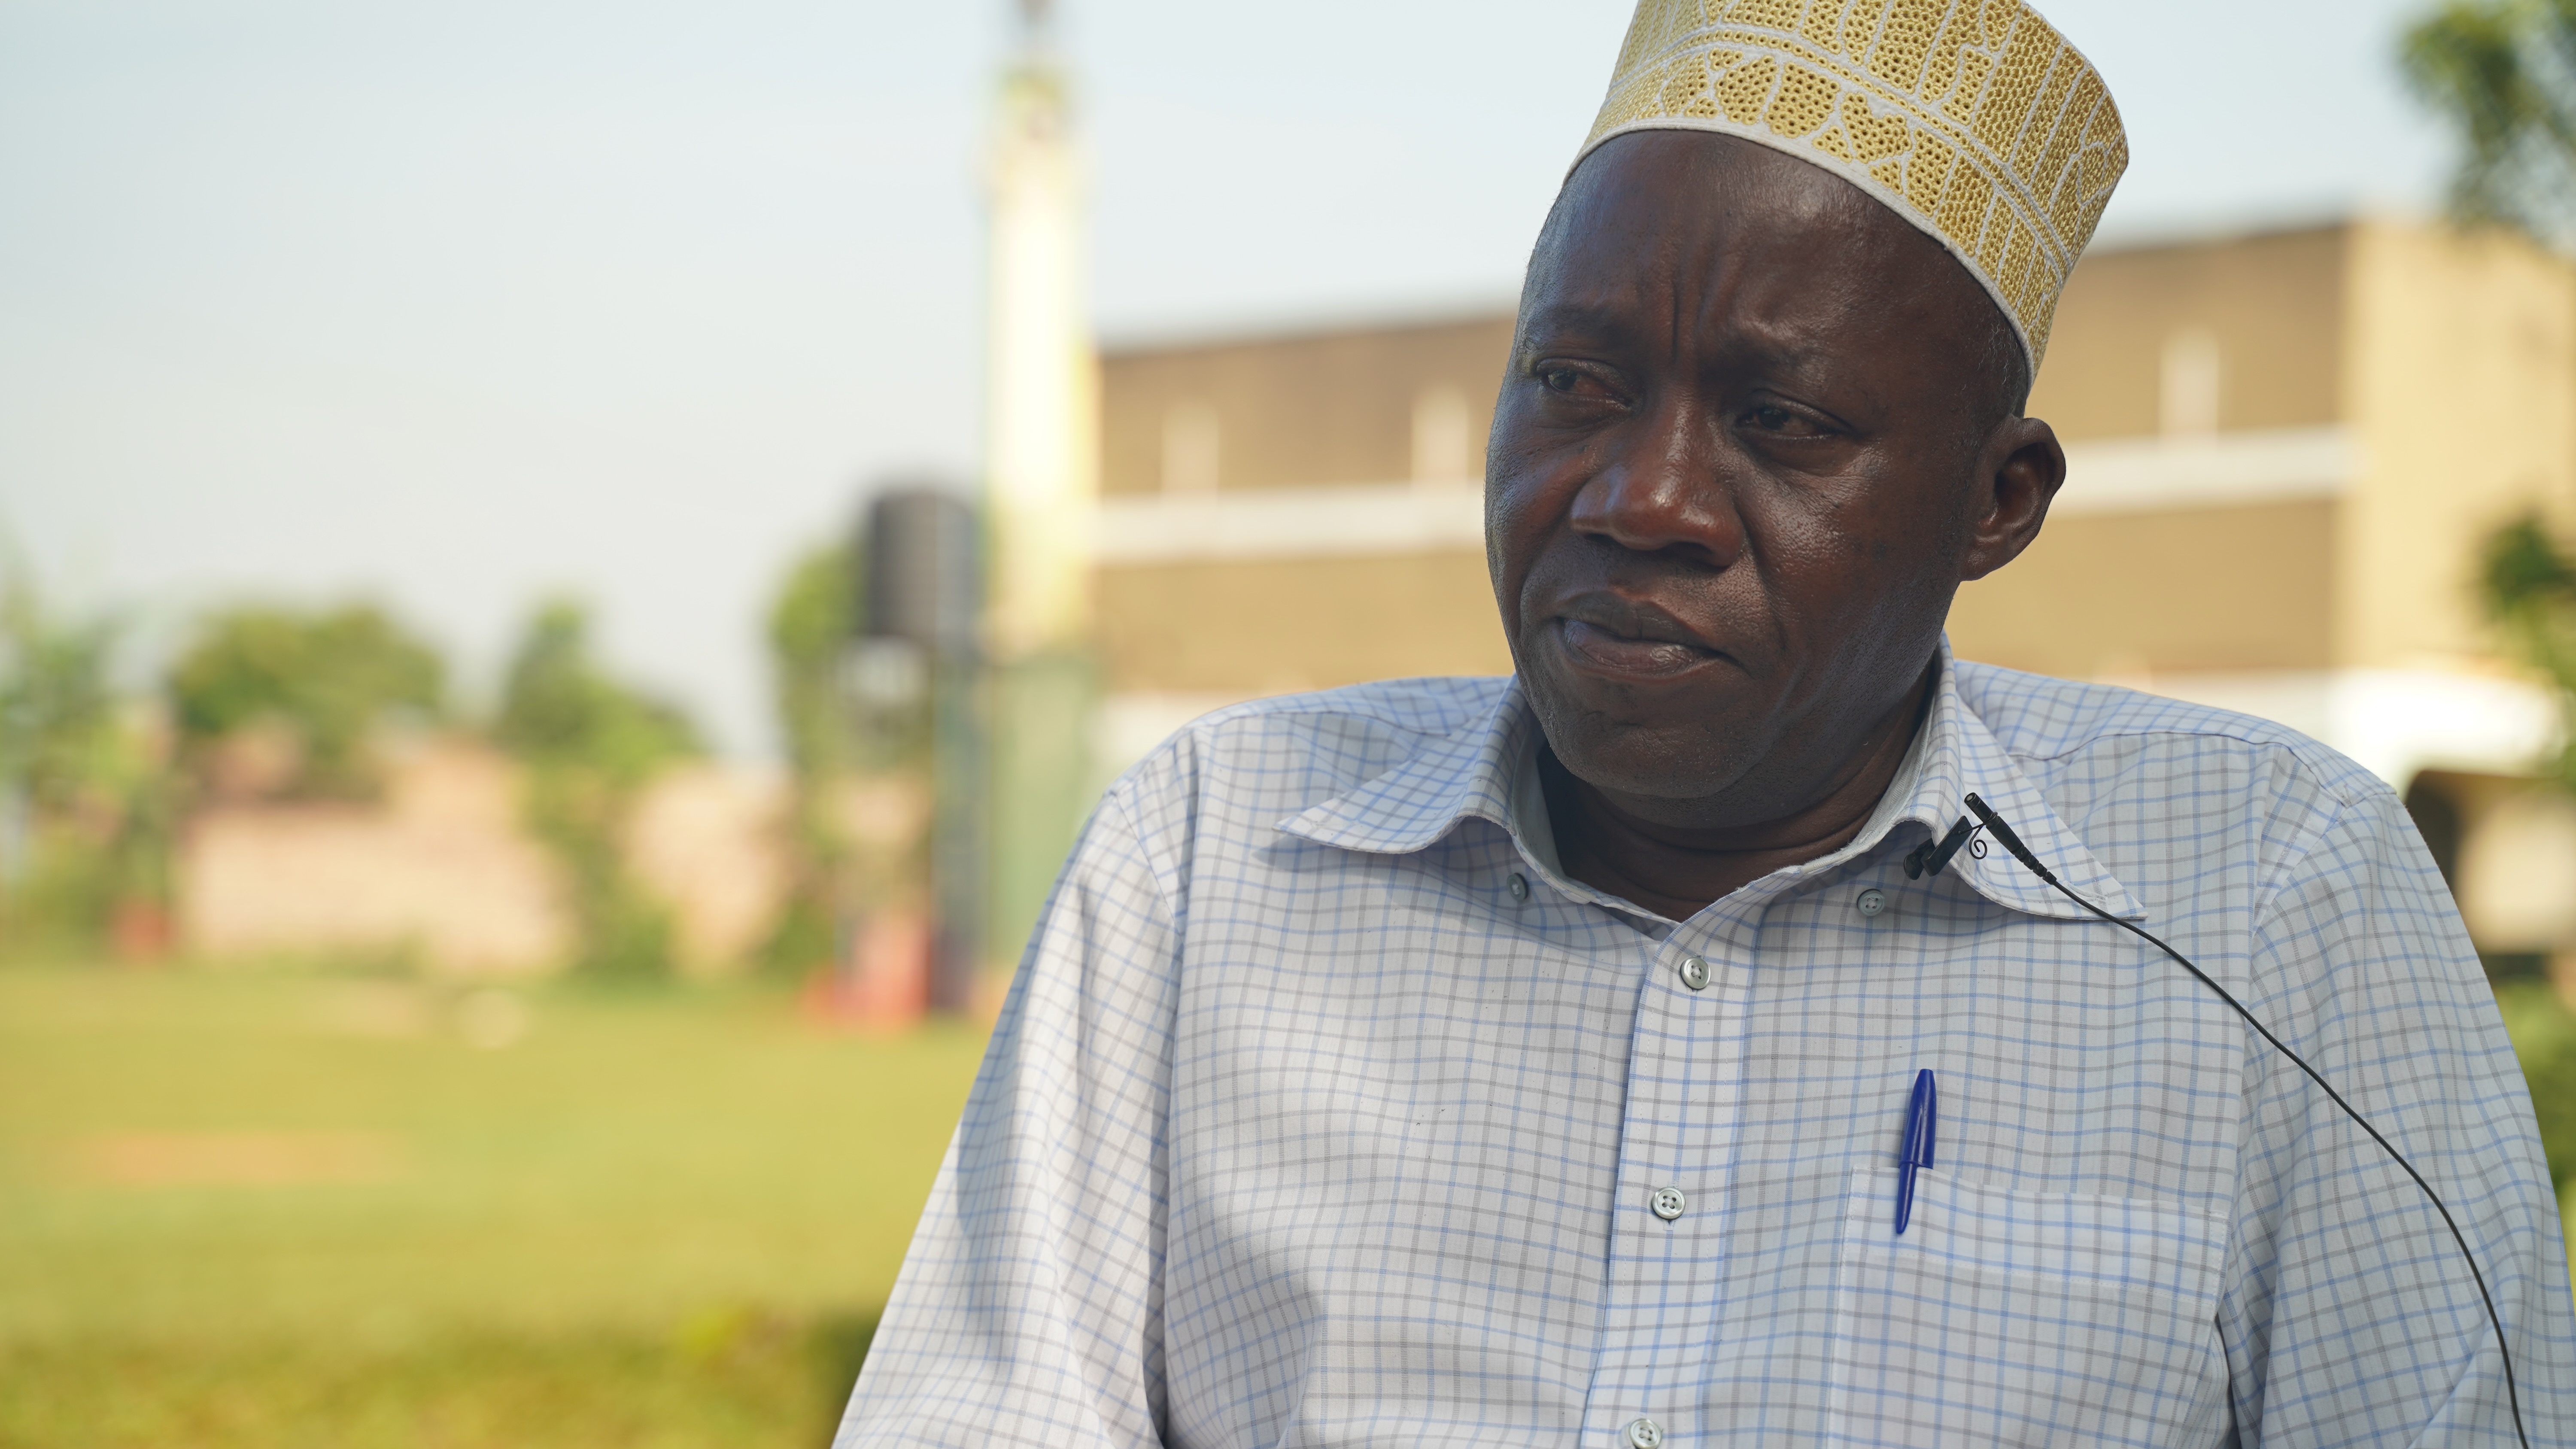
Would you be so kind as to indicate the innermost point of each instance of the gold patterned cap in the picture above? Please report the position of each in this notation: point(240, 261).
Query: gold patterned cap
point(1972, 119)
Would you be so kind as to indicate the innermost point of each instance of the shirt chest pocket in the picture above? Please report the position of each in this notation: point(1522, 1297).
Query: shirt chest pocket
point(2009, 1318)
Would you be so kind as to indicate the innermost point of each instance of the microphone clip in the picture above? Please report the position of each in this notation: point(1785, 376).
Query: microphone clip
point(1934, 856)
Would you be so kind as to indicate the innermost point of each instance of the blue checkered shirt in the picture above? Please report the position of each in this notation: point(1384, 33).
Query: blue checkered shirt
point(1326, 1111)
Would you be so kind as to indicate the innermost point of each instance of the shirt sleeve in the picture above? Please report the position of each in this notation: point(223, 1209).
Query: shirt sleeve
point(2350, 1316)
point(1029, 1310)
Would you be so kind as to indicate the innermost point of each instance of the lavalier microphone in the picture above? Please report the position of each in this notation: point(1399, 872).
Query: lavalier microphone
point(1932, 858)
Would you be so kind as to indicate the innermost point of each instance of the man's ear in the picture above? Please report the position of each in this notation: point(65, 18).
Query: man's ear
point(2019, 470)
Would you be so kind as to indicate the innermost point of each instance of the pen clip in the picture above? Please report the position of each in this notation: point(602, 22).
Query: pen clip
point(1929, 1125)
point(1922, 1122)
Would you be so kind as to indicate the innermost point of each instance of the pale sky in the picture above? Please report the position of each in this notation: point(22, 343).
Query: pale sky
point(453, 305)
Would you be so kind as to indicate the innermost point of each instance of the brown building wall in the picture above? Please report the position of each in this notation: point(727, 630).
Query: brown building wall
point(2448, 362)
point(2463, 377)
point(1303, 411)
point(2244, 587)
point(2247, 587)
point(2274, 305)
point(441, 867)
point(444, 867)
point(1337, 407)
point(1269, 626)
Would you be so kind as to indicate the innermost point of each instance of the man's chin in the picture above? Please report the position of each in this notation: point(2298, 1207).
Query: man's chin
point(1680, 749)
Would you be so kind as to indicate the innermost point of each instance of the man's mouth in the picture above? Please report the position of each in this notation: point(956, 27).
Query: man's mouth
point(1638, 651)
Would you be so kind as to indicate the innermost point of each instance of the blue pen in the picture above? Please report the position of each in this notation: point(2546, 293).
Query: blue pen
point(1922, 1124)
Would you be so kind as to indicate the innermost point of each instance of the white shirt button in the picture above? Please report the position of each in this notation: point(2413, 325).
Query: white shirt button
point(1520, 886)
point(1645, 1434)
point(1871, 902)
point(1669, 1202)
point(1694, 972)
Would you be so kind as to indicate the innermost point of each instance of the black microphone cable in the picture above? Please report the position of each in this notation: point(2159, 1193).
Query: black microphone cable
point(1936, 857)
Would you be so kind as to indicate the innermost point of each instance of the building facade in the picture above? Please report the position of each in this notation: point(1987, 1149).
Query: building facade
point(2285, 449)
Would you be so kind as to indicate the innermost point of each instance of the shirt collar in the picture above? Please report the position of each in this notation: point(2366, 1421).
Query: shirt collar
point(1473, 772)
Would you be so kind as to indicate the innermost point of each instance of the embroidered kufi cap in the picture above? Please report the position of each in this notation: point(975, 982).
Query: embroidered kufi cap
point(1972, 119)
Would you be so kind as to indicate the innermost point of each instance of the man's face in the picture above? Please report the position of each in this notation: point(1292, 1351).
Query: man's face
point(1744, 455)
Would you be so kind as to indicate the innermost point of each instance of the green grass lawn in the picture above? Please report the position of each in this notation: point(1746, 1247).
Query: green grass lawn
point(292, 1208)
point(285, 1210)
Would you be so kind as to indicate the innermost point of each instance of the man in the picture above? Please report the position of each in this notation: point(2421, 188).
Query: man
point(1530, 1061)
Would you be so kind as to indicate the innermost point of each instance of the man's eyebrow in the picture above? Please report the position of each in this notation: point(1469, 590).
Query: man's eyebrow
point(1594, 322)
point(1777, 349)
point(1780, 351)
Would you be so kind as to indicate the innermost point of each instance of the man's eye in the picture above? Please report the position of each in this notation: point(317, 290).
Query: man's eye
point(1782, 420)
point(1560, 379)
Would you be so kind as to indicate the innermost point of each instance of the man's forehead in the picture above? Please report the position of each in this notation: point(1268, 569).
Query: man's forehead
point(1657, 218)
point(1649, 187)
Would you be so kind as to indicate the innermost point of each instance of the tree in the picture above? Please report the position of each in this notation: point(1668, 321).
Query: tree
point(2528, 585)
point(811, 622)
point(2503, 73)
point(84, 846)
point(327, 681)
point(58, 705)
point(591, 744)
point(855, 720)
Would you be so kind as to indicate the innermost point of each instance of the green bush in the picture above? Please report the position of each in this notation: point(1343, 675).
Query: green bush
point(591, 744)
point(2544, 1037)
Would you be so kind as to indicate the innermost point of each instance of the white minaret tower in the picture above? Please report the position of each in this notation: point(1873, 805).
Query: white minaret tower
point(1042, 412)
point(1041, 483)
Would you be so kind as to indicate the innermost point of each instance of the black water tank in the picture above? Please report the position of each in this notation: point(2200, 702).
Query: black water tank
point(924, 576)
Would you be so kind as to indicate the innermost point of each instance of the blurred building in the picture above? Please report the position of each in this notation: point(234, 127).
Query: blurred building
point(1292, 512)
point(2284, 449)
point(442, 872)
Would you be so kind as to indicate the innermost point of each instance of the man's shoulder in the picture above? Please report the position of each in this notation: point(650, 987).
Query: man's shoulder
point(1429, 708)
point(1293, 750)
point(2043, 721)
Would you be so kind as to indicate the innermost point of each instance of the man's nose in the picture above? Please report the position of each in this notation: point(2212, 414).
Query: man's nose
point(1665, 489)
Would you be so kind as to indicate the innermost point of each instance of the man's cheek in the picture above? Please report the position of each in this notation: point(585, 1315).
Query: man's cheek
point(1524, 535)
